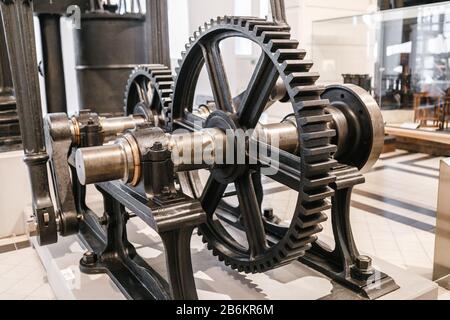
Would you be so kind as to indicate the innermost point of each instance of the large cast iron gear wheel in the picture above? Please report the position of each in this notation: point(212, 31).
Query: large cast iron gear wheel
point(307, 172)
point(148, 93)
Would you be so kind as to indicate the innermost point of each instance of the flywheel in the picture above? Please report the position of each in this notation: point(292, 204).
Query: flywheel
point(307, 171)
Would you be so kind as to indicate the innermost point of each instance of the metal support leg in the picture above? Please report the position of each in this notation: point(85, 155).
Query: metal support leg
point(344, 264)
point(179, 265)
point(119, 259)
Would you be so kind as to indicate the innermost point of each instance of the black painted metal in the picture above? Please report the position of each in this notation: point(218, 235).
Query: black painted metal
point(53, 71)
point(108, 47)
point(158, 31)
point(117, 257)
point(49, 13)
point(339, 264)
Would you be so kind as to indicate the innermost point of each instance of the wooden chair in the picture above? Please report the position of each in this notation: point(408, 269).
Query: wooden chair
point(427, 108)
point(445, 116)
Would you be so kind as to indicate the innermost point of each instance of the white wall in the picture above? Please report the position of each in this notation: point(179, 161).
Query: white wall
point(302, 14)
point(15, 193)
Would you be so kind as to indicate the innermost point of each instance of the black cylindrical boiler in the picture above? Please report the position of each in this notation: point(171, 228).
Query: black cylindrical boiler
point(108, 47)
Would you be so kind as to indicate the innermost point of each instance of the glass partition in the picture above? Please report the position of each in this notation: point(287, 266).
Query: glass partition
point(401, 56)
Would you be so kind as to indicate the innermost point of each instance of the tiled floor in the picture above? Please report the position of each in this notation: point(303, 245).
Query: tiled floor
point(393, 217)
point(393, 213)
point(22, 276)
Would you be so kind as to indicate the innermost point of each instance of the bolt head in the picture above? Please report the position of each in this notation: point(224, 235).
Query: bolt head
point(268, 213)
point(32, 227)
point(363, 263)
point(89, 257)
point(157, 146)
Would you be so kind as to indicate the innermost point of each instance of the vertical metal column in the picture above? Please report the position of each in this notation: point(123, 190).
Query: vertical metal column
point(278, 11)
point(6, 84)
point(18, 24)
point(55, 90)
point(157, 22)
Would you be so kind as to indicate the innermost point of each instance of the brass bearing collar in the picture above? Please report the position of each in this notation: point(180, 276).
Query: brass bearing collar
point(75, 128)
point(136, 159)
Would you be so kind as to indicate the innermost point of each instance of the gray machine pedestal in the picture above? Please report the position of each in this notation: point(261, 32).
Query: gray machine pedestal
point(214, 280)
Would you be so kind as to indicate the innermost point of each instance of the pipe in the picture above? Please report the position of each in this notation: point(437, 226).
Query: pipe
point(55, 89)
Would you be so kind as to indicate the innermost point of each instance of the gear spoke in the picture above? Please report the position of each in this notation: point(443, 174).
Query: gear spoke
point(212, 195)
point(140, 92)
point(258, 92)
point(145, 92)
point(251, 214)
point(218, 77)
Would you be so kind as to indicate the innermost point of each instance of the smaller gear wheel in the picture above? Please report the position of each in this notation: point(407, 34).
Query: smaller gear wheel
point(148, 92)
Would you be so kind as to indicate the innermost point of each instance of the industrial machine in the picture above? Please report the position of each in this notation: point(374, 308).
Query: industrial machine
point(148, 163)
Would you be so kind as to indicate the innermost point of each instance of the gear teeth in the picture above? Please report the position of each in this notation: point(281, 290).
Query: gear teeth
point(259, 29)
point(277, 44)
point(307, 221)
point(302, 78)
point(321, 167)
point(311, 104)
point(312, 208)
point(303, 244)
point(319, 194)
point(302, 93)
point(325, 118)
point(290, 66)
point(271, 35)
point(300, 233)
point(253, 24)
point(290, 54)
point(319, 135)
point(325, 150)
point(319, 181)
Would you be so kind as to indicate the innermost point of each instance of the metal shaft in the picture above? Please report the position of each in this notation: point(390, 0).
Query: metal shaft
point(108, 163)
point(111, 127)
point(190, 151)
